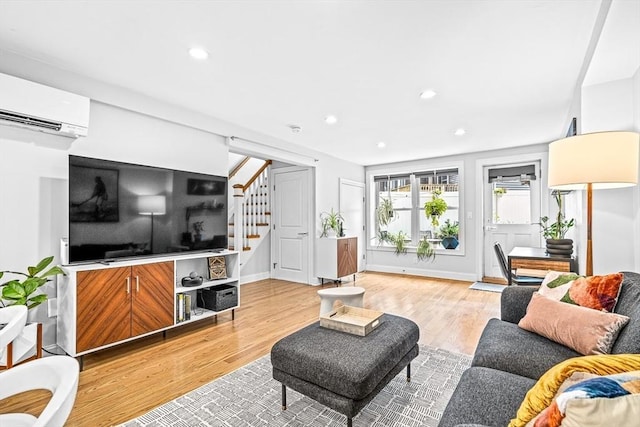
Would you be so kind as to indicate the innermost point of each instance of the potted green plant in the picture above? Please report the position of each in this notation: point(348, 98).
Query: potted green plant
point(448, 232)
point(21, 292)
point(399, 240)
point(425, 250)
point(435, 207)
point(384, 212)
point(331, 223)
point(555, 232)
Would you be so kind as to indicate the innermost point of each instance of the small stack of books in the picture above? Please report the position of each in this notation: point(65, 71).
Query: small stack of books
point(183, 307)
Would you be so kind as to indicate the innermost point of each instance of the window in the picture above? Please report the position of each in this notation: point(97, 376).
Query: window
point(511, 188)
point(399, 205)
point(511, 203)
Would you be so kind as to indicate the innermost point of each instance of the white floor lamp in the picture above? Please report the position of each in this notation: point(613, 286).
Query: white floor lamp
point(594, 161)
point(152, 205)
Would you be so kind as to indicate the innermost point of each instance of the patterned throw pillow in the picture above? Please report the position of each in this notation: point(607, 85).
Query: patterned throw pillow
point(612, 400)
point(597, 292)
point(560, 376)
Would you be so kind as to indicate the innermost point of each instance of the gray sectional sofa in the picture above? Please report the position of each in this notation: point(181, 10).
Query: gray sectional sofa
point(509, 360)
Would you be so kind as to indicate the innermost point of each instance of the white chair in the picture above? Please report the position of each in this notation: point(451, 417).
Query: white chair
point(58, 374)
point(14, 318)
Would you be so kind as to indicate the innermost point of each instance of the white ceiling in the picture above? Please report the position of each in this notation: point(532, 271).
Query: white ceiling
point(503, 70)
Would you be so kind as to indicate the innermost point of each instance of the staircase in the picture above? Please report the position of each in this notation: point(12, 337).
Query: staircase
point(250, 215)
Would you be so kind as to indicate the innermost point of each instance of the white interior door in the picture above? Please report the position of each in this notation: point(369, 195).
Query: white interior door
point(511, 210)
point(352, 210)
point(291, 235)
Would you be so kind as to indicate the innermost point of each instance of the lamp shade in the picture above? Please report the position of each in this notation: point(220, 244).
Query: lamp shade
point(603, 159)
point(152, 205)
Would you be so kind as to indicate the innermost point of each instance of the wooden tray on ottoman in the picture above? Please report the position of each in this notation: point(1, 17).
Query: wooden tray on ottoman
point(352, 320)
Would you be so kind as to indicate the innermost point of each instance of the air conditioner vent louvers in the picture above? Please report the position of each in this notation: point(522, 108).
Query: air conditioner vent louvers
point(31, 121)
point(27, 107)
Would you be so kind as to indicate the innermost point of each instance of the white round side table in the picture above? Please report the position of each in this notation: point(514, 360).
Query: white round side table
point(352, 295)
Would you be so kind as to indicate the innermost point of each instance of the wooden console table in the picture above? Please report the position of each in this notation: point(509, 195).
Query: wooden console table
point(538, 259)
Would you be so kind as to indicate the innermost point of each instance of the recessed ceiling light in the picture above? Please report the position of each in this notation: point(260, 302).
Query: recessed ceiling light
point(381, 144)
point(331, 119)
point(428, 94)
point(459, 132)
point(198, 53)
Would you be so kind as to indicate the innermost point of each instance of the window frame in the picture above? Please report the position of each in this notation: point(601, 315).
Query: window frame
point(413, 171)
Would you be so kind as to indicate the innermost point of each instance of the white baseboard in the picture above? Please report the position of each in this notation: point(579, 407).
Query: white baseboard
point(469, 277)
point(254, 277)
point(52, 348)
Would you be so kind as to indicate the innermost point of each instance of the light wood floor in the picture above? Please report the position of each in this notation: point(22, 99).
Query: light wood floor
point(126, 381)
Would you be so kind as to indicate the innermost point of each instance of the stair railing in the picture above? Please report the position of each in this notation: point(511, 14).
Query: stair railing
point(251, 207)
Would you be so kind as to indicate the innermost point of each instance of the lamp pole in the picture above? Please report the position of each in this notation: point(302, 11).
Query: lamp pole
point(151, 244)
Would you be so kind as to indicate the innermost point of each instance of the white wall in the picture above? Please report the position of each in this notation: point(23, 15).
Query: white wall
point(605, 107)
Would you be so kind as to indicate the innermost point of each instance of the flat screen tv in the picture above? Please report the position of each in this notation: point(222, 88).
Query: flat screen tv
point(123, 210)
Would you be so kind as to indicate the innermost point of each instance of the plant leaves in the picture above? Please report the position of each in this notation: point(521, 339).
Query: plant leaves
point(39, 298)
point(42, 265)
point(13, 291)
point(30, 285)
point(19, 301)
point(53, 271)
point(36, 300)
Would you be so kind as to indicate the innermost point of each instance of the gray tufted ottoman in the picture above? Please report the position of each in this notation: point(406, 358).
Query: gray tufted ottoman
point(344, 371)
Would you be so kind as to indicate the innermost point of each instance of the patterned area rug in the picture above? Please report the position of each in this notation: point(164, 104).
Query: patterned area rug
point(250, 397)
point(491, 287)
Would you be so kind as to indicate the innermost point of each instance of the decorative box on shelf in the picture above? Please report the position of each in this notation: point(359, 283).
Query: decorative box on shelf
point(217, 268)
point(352, 320)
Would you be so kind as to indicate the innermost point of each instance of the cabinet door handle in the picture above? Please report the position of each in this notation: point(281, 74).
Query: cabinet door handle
point(128, 285)
point(137, 284)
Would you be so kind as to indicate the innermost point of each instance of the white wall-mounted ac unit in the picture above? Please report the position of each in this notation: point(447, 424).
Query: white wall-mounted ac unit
point(37, 107)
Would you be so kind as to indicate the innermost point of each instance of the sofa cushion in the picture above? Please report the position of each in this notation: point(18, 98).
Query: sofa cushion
point(582, 329)
point(485, 396)
point(597, 292)
point(629, 305)
point(507, 347)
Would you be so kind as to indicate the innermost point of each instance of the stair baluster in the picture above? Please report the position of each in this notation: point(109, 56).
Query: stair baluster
point(251, 208)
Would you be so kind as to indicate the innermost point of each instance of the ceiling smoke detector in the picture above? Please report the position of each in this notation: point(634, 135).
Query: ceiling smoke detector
point(331, 119)
point(295, 128)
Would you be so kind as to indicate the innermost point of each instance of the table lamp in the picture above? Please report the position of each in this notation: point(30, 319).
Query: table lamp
point(152, 205)
point(594, 161)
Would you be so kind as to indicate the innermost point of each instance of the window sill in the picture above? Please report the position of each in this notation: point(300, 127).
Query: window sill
point(411, 250)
